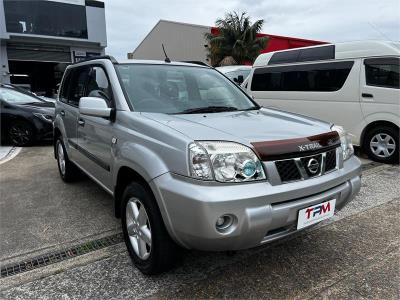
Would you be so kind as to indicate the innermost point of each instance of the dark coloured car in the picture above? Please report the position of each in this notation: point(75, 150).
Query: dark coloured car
point(25, 119)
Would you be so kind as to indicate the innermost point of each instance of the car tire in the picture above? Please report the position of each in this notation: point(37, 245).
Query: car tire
point(381, 144)
point(149, 245)
point(68, 171)
point(21, 133)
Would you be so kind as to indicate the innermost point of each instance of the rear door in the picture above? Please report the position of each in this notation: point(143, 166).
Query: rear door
point(380, 93)
point(73, 89)
point(95, 133)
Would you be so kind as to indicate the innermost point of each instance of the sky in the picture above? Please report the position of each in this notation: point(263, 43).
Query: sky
point(129, 21)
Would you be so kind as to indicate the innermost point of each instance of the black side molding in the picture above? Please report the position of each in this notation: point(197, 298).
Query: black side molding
point(92, 157)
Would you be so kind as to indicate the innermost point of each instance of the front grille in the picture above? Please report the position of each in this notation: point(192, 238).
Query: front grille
point(306, 167)
point(288, 170)
point(330, 162)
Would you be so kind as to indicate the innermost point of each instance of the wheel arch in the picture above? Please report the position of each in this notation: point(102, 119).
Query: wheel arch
point(375, 124)
point(56, 135)
point(125, 176)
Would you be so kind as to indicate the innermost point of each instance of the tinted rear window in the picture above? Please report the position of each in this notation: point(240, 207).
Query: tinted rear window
point(382, 72)
point(306, 54)
point(323, 77)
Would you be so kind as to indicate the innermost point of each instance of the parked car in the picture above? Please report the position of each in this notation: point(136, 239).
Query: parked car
point(25, 118)
point(28, 92)
point(236, 73)
point(352, 84)
point(198, 164)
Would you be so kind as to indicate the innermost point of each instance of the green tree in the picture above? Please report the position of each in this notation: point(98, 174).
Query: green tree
point(236, 41)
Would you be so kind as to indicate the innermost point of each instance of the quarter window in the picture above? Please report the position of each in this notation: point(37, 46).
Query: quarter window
point(322, 77)
point(383, 72)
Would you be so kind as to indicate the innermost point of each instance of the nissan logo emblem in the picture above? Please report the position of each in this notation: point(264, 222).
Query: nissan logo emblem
point(313, 166)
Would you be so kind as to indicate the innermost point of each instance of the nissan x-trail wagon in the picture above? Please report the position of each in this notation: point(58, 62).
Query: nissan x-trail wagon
point(192, 162)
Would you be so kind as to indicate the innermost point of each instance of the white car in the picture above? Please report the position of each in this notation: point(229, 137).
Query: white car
point(354, 84)
point(236, 73)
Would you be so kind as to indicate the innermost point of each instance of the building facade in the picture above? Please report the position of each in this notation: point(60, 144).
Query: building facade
point(38, 39)
point(186, 42)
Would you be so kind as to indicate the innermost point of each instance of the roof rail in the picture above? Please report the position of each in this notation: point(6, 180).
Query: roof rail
point(109, 57)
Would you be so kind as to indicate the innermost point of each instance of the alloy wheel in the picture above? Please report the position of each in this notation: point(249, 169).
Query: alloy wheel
point(383, 145)
point(138, 227)
point(19, 134)
point(61, 157)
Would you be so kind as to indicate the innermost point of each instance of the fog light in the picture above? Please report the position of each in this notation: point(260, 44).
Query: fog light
point(220, 221)
point(224, 223)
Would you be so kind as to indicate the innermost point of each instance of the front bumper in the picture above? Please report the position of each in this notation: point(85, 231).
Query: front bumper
point(264, 212)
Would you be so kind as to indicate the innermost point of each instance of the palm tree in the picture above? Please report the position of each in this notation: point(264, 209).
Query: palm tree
point(236, 38)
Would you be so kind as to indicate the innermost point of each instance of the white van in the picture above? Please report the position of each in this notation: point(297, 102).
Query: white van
point(354, 84)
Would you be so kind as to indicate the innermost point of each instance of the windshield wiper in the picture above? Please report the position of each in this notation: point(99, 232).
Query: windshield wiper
point(253, 108)
point(208, 109)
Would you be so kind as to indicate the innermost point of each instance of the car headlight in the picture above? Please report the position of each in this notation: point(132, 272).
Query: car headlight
point(224, 162)
point(345, 142)
point(44, 117)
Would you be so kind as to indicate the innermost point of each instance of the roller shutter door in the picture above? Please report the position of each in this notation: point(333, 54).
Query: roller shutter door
point(38, 53)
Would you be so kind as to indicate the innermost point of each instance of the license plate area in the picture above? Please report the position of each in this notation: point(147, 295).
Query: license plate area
point(314, 214)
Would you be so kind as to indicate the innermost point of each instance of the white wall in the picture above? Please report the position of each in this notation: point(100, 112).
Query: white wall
point(96, 25)
point(182, 42)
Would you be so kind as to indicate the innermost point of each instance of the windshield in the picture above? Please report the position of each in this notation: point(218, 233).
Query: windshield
point(180, 89)
point(13, 96)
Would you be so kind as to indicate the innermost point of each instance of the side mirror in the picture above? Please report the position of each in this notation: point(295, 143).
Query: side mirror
point(240, 79)
point(95, 107)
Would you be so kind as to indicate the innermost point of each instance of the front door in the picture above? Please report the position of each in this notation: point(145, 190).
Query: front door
point(68, 106)
point(95, 134)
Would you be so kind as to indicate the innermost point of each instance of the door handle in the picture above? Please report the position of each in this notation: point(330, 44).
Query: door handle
point(81, 122)
point(367, 95)
point(62, 113)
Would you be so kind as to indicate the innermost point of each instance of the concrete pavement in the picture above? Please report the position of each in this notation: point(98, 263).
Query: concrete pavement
point(39, 211)
point(354, 255)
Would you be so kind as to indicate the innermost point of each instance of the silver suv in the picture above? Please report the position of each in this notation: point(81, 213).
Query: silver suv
point(191, 161)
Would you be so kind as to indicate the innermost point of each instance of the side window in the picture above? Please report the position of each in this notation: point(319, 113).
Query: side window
point(322, 77)
point(77, 85)
point(383, 72)
point(64, 87)
point(98, 84)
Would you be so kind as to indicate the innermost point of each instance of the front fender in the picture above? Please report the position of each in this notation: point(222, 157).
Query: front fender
point(141, 159)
